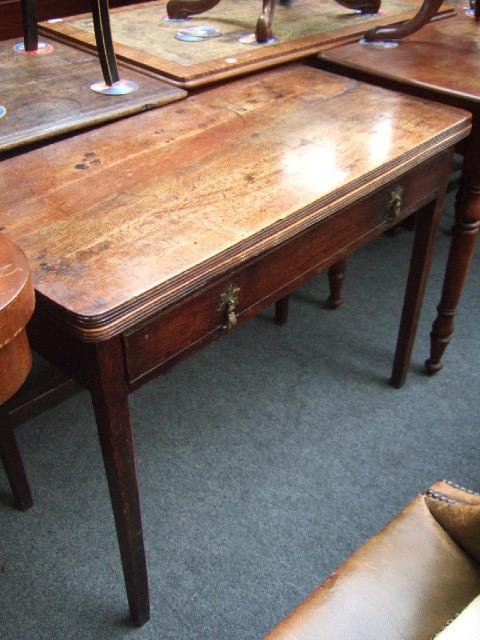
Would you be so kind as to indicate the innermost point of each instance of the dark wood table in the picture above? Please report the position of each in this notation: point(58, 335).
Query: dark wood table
point(200, 215)
point(441, 62)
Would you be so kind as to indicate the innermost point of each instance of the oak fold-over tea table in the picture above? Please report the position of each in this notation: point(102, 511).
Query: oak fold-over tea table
point(200, 215)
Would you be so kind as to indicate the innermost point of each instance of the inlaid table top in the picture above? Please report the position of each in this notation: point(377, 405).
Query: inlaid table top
point(143, 37)
point(123, 221)
point(443, 58)
point(49, 95)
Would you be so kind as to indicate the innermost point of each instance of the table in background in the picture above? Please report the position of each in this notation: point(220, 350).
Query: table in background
point(46, 96)
point(202, 214)
point(144, 39)
point(441, 62)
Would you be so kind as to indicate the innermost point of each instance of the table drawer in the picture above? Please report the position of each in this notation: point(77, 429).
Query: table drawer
point(254, 286)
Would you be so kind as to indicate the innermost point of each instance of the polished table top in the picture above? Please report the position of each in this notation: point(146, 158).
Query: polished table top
point(442, 58)
point(123, 221)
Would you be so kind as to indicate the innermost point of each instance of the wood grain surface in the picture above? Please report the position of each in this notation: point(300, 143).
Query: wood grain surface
point(177, 196)
point(142, 36)
point(443, 58)
point(49, 95)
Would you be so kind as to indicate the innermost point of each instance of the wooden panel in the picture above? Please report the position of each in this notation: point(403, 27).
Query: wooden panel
point(163, 340)
point(142, 36)
point(164, 212)
point(49, 95)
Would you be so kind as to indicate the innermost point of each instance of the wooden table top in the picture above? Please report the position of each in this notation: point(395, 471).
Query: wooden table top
point(442, 58)
point(49, 95)
point(178, 196)
point(304, 28)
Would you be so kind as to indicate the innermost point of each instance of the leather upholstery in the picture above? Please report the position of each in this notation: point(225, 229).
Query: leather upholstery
point(405, 583)
point(458, 512)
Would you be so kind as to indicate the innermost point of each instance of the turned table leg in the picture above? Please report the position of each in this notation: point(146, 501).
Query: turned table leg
point(336, 277)
point(425, 229)
point(13, 465)
point(465, 231)
point(108, 389)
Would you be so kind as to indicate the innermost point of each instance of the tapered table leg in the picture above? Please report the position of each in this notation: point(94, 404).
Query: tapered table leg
point(109, 394)
point(263, 30)
point(336, 277)
point(426, 226)
point(462, 246)
point(13, 465)
point(104, 42)
point(29, 22)
point(281, 311)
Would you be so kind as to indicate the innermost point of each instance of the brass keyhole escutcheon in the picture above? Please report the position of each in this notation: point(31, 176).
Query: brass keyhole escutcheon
point(394, 205)
point(227, 305)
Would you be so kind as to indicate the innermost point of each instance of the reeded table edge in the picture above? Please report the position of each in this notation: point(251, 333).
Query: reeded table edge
point(101, 327)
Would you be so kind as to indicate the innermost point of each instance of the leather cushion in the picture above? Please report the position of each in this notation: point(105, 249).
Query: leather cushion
point(404, 583)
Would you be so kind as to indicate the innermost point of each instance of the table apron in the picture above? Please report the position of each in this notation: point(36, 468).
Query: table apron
point(163, 340)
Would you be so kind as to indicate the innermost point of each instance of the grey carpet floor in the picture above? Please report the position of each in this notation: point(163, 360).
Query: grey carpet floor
point(263, 462)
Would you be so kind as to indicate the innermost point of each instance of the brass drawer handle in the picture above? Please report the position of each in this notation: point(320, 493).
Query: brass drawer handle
point(394, 205)
point(227, 305)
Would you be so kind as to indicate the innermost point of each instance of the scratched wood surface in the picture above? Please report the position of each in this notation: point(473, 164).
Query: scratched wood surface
point(49, 95)
point(121, 222)
point(443, 58)
point(142, 36)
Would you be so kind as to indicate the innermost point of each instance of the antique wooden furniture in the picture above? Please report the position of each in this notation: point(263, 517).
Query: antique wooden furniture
point(181, 9)
point(17, 300)
point(441, 63)
point(166, 243)
point(45, 99)
point(144, 38)
point(11, 12)
point(112, 84)
point(406, 582)
point(425, 14)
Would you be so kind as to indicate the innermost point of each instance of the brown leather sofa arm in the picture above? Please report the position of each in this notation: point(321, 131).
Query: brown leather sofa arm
point(405, 583)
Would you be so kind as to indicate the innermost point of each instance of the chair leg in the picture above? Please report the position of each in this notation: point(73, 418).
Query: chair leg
point(13, 465)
